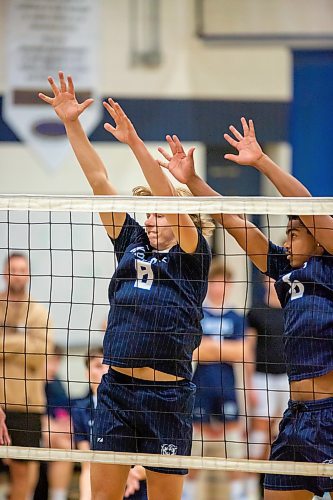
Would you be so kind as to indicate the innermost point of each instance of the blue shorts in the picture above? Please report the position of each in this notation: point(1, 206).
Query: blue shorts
point(305, 435)
point(213, 404)
point(140, 416)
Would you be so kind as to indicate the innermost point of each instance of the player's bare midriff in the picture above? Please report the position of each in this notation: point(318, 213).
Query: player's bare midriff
point(312, 388)
point(147, 373)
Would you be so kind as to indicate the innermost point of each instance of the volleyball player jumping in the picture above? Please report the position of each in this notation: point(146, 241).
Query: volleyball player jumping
point(303, 270)
point(145, 401)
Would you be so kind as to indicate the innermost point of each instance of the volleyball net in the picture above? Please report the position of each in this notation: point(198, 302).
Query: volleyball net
point(70, 261)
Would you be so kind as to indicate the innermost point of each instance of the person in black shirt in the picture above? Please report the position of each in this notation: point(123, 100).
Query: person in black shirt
point(270, 381)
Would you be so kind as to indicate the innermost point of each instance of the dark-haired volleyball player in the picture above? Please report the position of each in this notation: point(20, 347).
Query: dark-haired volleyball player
point(303, 270)
point(145, 401)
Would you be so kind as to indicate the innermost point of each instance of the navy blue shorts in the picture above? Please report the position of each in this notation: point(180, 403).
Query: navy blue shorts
point(305, 435)
point(140, 416)
point(212, 404)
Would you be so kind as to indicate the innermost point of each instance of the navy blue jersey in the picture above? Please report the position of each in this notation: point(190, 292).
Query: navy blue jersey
point(219, 324)
point(83, 416)
point(155, 303)
point(57, 400)
point(306, 294)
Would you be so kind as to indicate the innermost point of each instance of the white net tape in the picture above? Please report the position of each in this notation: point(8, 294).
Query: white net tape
point(173, 461)
point(163, 204)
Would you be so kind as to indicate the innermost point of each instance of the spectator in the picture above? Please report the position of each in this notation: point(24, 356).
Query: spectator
point(57, 428)
point(83, 421)
point(270, 380)
point(218, 429)
point(25, 341)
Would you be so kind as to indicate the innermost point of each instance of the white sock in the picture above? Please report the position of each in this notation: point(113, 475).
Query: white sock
point(237, 489)
point(58, 494)
point(252, 485)
point(189, 489)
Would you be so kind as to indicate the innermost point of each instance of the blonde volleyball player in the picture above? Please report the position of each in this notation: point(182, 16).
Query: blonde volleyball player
point(145, 401)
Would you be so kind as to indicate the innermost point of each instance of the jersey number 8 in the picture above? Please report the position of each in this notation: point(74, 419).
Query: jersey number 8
point(144, 275)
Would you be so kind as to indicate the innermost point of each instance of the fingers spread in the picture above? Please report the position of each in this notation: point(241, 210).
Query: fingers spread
point(245, 126)
point(191, 152)
point(85, 104)
point(62, 81)
point(252, 130)
point(234, 158)
point(111, 102)
point(165, 154)
point(231, 141)
point(171, 144)
point(120, 110)
point(110, 109)
point(70, 85)
point(163, 164)
point(45, 98)
point(179, 147)
point(117, 109)
point(53, 86)
point(109, 128)
point(237, 134)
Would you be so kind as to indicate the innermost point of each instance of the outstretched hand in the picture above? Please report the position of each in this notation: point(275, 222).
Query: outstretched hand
point(64, 101)
point(179, 164)
point(249, 151)
point(124, 130)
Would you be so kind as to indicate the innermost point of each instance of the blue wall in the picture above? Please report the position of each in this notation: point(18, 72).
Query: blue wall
point(311, 120)
point(193, 119)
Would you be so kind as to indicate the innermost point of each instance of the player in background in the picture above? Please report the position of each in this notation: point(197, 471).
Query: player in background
point(83, 415)
point(218, 429)
point(270, 380)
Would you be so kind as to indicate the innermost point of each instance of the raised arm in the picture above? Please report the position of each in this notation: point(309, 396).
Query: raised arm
point(182, 225)
point(250, 153)
point(68, 110)
point(247, 235)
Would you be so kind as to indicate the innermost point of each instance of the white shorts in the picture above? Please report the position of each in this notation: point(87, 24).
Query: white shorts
point(272, 393)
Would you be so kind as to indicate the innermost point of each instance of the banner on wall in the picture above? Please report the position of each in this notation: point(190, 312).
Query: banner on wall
point(42, 38)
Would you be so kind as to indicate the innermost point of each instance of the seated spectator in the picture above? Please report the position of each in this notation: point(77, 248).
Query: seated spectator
point(56, 426)
point(83, 421)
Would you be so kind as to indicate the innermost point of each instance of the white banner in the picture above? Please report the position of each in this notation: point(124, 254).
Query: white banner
point(43, 37)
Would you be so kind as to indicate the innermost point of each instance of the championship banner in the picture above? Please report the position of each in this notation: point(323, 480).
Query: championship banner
point(43, 37)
